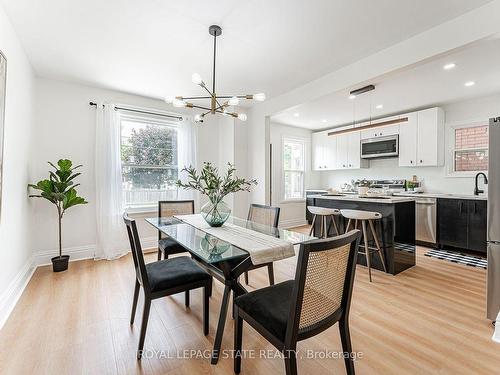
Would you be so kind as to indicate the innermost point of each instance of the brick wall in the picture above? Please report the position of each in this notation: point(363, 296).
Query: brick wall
point(467, 138)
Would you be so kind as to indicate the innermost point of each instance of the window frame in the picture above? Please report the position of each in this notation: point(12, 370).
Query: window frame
point(150, 119)
point(450, 149)
point(302, 141)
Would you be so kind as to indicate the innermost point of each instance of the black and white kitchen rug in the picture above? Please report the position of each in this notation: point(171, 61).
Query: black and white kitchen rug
point(469, 260)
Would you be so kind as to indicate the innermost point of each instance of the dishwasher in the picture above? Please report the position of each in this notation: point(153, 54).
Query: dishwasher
point(426, 211)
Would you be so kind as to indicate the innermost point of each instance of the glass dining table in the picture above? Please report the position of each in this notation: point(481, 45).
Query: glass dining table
point(221, 259)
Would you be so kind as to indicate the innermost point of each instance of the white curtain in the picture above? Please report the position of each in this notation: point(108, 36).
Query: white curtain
point(186, 155)
point(111, 233)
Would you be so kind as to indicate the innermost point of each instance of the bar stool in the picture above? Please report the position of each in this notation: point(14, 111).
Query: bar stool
point(323, 213)
point(366, 216)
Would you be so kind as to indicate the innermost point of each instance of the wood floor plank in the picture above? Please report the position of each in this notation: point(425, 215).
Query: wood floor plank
point(427, 320)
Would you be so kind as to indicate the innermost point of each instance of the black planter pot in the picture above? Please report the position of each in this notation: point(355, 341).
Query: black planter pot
point(60, 264)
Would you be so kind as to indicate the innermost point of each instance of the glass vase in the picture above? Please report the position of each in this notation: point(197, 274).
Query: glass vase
point(215, 213)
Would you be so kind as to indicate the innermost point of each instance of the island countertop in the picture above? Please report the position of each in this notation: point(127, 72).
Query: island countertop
point(356, 198)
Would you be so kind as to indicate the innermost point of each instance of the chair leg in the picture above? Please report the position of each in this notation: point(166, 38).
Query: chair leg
point(325, 232)
point(206, 308)
point(270, 272)
point(380, 251)
point(144, 326)
point(367, 252)
point(134, 302)
point(159, 254)
point(312, 226)
point(186, 298)
point(211, 287)
point(345, 338)
point(246, 277)
point(238, 339)
point(290, 361)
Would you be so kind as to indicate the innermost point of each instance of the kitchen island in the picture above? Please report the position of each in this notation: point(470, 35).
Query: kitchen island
point(395, 230)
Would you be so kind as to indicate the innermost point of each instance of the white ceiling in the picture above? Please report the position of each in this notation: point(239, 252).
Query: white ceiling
point(424, 85)
point(151, 47)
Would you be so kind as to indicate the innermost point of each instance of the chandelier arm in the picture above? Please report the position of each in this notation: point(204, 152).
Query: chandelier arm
point(191, 105)
point(196, 97)
point(237, 96)
point(215, 55)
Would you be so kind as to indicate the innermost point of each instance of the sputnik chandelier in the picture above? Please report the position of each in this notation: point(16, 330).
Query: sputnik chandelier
point(215, 100)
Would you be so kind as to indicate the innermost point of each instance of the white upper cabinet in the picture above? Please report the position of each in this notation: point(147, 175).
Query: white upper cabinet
point(324, 149)
point(407, 141)
point(421, 142)
point(421, 139)
point(381, 131)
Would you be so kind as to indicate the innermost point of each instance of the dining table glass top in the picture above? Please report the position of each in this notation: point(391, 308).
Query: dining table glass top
point(210, 248)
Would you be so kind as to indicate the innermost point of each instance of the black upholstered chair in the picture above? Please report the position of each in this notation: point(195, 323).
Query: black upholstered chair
point(318, 297)
point(166, 245)
point(164, 278)
point(265, 215)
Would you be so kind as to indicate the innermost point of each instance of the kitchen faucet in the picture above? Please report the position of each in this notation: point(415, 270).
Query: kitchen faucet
point(476, 189)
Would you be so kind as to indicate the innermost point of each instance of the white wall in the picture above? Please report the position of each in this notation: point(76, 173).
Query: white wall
point(15, 225)
point(65, 128)
point(292, 213)
point(434, 178)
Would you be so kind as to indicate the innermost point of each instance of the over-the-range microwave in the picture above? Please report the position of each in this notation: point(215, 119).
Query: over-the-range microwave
point(380, 147)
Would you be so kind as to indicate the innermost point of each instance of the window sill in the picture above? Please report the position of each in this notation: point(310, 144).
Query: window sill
point(470, 174)
point(293, 200)
point(137, 210)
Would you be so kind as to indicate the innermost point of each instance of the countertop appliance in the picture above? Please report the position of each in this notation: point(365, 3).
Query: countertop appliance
point(380, 147)
point(493, 230)
point(426, 218)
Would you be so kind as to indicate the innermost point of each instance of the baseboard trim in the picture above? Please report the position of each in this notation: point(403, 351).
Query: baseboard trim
point(292, 223)
point(10, 297)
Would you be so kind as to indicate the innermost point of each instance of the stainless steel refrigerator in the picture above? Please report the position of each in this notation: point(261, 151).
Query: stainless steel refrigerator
point(493, 305)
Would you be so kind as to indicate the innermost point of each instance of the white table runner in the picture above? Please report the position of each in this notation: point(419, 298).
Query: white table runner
point(261, 247)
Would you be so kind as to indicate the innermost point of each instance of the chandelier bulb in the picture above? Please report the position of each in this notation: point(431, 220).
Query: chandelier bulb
point(233, 101)
point(196, 78)
point(242, 117)
point(260, 97)
point(169, 99)
point(179, 103)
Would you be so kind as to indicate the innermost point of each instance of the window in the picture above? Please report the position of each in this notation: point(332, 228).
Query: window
point(293, 168)
point(149, 160)
point(470, 148)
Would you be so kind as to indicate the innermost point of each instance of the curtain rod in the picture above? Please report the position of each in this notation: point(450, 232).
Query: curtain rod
point(139, 111)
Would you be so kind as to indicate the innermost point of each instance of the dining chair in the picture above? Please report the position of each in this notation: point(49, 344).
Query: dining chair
point(269, 216)
point(166, 245)
point(164, 278)
point(294, 310)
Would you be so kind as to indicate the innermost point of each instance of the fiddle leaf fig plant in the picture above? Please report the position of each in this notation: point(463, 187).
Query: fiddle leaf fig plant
point(59, 189)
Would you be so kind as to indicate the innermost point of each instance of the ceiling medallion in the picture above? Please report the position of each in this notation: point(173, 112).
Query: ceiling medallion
point(215, 100)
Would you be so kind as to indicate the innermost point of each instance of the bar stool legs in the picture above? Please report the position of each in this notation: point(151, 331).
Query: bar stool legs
point(367, 251)
point(379, 249)
point(323, 229)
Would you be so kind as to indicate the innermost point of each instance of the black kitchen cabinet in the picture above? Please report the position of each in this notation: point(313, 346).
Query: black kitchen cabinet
point(462, 224)
point(477, 225)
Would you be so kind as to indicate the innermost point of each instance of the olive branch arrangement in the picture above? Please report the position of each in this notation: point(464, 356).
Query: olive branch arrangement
point(213, 185)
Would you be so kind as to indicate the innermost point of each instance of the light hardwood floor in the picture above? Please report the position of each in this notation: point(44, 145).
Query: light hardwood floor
point(429, 319)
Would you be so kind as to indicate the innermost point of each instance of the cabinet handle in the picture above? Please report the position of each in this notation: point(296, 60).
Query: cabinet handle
point(475, 208)
point(411, 161)
point(461, 204)
point(421, 161)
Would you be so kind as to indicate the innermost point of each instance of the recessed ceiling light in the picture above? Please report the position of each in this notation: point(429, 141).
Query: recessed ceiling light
point(469, 83)
point(296, 114)
point(352, 96)
point(449, 66)
point(323, 121)
point(379, 106)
